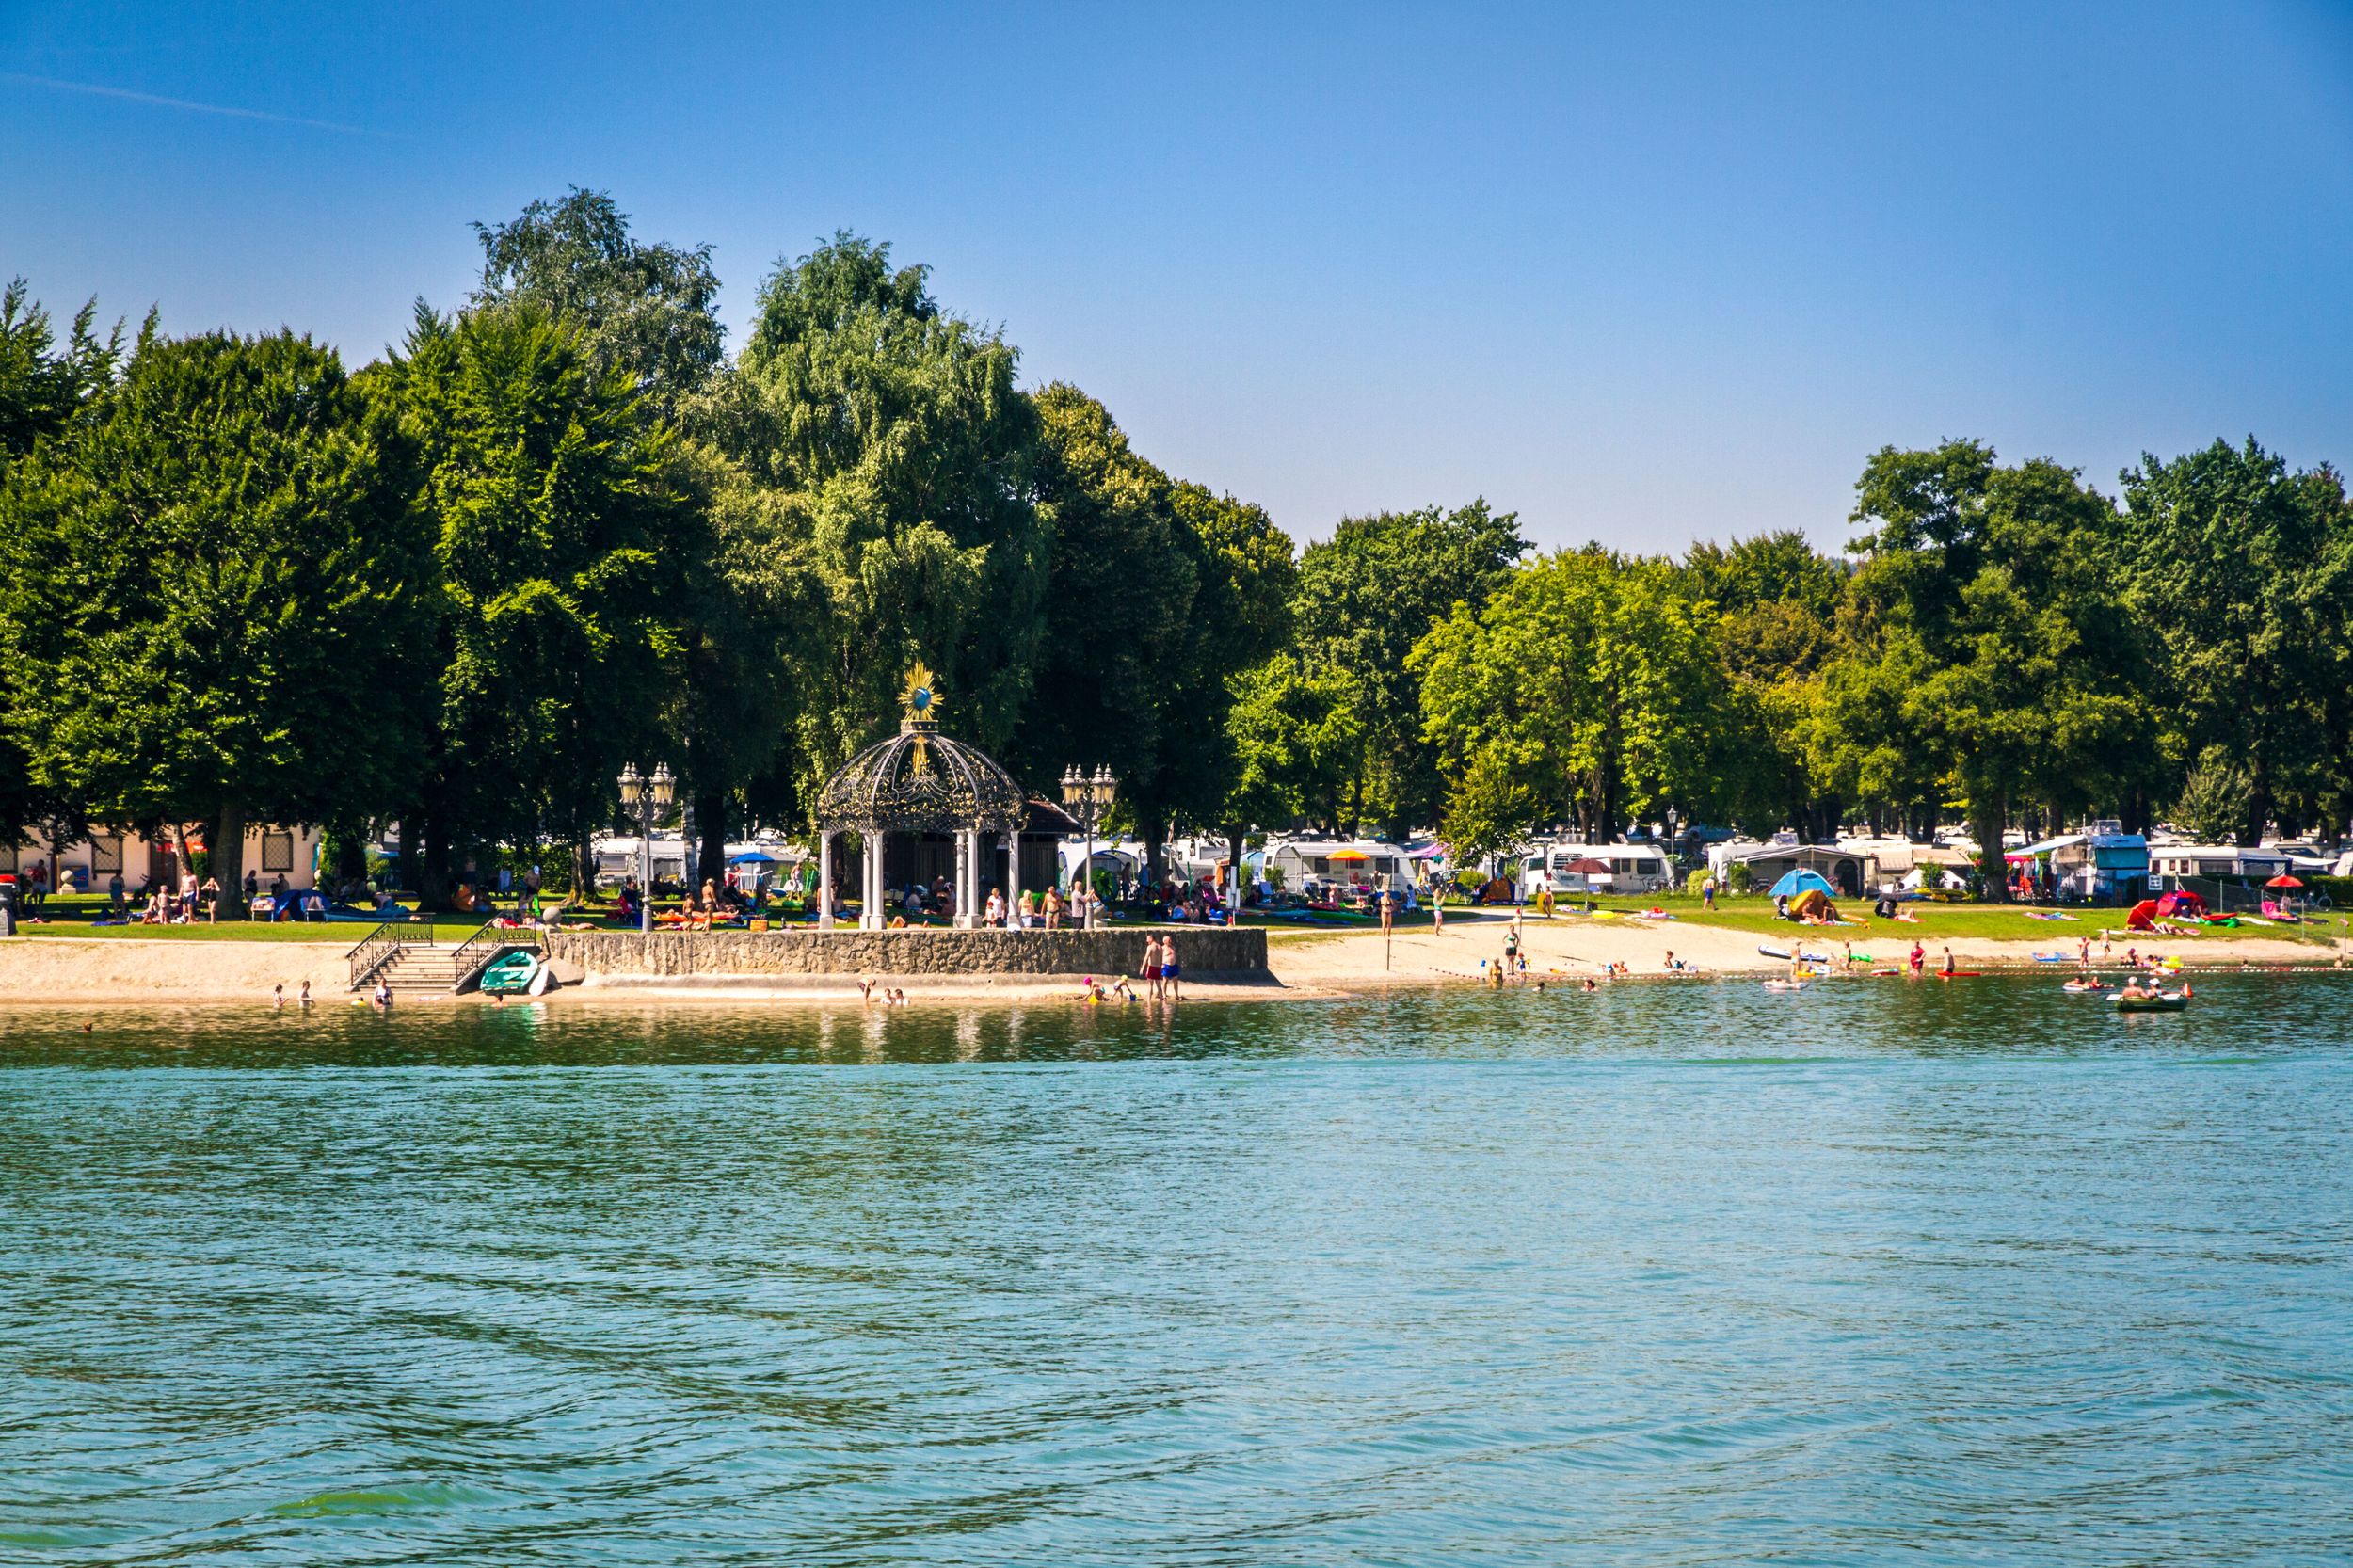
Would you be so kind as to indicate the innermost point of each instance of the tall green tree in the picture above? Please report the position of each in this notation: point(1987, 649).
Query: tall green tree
point(1124, 580)
point(1589, 679)
point(209, 578)
point(1366, 596)
point(648, 311)
point(1242, 617)
point(1779, 603)
point(900, 453)
point(559, 523)
point(1294, 740)
point(1998, 593)
point(45, 388)
point(2243, 571)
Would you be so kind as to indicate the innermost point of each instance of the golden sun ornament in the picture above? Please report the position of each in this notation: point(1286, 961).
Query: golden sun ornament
point(922, 696)
point(922, 701)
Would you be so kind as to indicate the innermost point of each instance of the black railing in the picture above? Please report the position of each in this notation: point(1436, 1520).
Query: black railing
point(484, 945)
point(381, 946)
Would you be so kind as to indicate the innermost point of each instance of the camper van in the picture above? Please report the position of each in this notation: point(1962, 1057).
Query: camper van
point(1627, 868)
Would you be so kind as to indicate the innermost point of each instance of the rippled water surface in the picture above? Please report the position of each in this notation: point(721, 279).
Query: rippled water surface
point(1877, 1273)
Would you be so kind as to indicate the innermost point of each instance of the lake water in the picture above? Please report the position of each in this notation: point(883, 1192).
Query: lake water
point(1676, 1274)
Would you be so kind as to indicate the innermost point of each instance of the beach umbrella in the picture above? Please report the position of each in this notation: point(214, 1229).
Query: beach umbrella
point(1796, 882)
point(2284, 880)
point(1348, 855)
point(753, 858)
point(1586, 865)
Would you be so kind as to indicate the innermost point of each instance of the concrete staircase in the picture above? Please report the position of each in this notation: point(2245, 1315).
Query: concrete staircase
point(419, 968)
point(440, 971)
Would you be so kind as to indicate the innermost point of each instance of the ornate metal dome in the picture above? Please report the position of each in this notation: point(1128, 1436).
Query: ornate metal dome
point(920, 780)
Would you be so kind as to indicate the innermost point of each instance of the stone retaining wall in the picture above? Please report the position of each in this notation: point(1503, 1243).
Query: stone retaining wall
point(1206, 954)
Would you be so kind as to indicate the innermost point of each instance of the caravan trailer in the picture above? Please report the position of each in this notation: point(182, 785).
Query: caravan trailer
point(1633, 869)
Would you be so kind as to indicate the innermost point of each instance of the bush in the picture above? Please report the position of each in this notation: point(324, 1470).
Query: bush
point(1692, 880)
point(1739, 878)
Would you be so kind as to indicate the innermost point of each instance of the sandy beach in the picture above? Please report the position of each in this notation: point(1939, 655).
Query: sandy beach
point(82, 971)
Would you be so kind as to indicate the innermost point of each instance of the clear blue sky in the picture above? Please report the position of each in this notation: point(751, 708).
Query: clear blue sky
point(1643, 273)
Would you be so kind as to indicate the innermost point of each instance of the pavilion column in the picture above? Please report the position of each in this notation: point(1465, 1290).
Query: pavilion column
point(964, 880)
point(825, 882)
point(1013, 878)
point(871, 915)
point(971, 906)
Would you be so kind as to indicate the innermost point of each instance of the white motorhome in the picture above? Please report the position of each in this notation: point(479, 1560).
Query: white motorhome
point(2220, 862)
point(1625, 869)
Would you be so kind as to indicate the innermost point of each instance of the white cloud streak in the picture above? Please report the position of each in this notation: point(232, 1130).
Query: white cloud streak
point(158, 102)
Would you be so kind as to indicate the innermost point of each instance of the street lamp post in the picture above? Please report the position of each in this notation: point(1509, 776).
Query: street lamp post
point(646, 799)
point(1089, 797)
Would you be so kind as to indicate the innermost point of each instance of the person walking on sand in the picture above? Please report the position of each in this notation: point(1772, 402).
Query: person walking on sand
point(1437, 912)
point(1388, 914)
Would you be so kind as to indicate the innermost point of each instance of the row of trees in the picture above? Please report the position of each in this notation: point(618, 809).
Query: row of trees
point(560, 528)
point(2004, 644)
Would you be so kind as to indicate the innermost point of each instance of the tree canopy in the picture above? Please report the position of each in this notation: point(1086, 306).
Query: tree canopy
point(560, 529)
point(211, 579)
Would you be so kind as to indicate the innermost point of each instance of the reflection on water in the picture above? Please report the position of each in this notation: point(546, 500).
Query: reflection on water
point(1678, 1274)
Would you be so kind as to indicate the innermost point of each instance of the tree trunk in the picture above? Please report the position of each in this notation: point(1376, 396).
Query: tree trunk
point(2251, 832)
point(1989, 814)
point(351, 855)
point(433, 873)
point(1155, 839)
point(710, 827)
point(412, 851)
point(227, 866)
point(584, 870)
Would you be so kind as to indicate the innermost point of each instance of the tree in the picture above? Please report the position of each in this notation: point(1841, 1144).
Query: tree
point(209, 578)
point(2211, 804)
point(1123, 579)
point(899, 454)
point(1293, 739)
point(1489, 806)
point(2243, 571)
point(43, 388)
point(559, 529)
point(1589, 679)
point(43, 391)
point(1779, 605)
point(1241, 615)
point(1366, 596)
point(1996, 592)
point(648, 311)
point(644, 309)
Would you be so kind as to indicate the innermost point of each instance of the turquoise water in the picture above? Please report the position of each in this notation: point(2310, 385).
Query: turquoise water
point(1677, 1275)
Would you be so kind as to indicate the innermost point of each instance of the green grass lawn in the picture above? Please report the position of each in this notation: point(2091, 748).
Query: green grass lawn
point(74, 917)
point(1999, 922)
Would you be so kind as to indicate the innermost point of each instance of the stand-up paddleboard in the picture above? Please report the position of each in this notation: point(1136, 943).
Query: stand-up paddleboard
point(1786, 956)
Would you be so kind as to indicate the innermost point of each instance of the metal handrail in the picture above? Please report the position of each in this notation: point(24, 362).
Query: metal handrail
point(488, 937)
point(379, 947)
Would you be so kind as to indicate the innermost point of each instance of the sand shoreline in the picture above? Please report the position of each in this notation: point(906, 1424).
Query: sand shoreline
point(68, 970)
